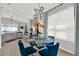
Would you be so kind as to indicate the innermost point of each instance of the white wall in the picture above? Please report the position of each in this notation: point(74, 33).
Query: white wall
point(61, 25)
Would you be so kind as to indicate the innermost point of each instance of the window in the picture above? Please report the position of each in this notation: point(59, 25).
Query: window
point(61, 35)
point(60, 27)
point(59, 31)
point(9, 27)
point(51, 31)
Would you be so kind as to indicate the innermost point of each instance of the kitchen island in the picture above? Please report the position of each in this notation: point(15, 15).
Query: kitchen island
point(9, 36)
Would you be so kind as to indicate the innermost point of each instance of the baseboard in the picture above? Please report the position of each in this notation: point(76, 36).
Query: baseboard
point(7, 41)
point(67, 51)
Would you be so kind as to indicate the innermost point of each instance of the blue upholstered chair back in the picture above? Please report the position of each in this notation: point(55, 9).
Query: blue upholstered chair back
point(25, 51)
point(21, 47)
point(53, 49)
point(44, 52)
point(51, 37)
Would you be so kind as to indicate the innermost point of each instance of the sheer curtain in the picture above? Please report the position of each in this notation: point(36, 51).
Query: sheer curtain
point(61, 25)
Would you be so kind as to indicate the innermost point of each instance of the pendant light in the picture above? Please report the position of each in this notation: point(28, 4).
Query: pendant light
point(39, 12)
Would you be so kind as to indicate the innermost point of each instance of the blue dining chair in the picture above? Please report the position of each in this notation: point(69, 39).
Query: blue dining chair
point(25, 51)
point(43, 52)
point(51, 50)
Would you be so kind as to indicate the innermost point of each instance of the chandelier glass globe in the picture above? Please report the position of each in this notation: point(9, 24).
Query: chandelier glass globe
point(36, 10)
point(41, 9)
point(35, 15)
point(42, 14)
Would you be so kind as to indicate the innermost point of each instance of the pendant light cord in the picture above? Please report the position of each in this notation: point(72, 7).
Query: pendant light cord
point(39, 5)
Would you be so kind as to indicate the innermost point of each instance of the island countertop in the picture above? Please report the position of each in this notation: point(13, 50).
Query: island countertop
point(6, 36)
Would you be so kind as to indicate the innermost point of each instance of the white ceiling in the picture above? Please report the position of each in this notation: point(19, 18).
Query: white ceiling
point(22, 11)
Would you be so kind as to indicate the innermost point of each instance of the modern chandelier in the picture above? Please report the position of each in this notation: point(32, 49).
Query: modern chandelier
point(39, 12)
